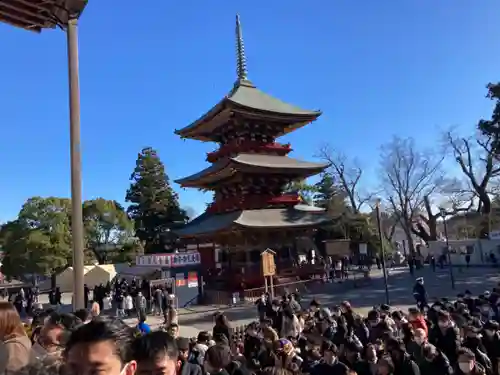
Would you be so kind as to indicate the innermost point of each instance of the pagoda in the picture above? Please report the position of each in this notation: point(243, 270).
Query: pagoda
point(248, 174)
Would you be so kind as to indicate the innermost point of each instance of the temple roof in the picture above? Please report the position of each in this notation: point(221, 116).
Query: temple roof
point(252, 163)
point(272, 218)
point(245, 97)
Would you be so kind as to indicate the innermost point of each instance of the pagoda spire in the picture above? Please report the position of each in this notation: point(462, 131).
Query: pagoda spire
point(241, 60)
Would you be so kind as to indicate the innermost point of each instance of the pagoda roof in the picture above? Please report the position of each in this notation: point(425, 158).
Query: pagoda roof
point(247, 99)
point(271, 218)
point(254, 163)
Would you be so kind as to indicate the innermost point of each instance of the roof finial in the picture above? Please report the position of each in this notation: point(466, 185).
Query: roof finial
point(241, 60)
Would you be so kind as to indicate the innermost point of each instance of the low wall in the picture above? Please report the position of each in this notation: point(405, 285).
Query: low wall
point(478, 249)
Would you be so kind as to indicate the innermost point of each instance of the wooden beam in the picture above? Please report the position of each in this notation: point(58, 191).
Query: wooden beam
point(20, 17)
point(8, 19)
point(43, 19)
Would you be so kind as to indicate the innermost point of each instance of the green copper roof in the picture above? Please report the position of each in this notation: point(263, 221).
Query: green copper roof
point(248, 95)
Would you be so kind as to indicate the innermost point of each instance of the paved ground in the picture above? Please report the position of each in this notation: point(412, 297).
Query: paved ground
point(363, 299)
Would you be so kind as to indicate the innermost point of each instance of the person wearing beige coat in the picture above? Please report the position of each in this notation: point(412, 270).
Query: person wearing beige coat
point(15, 346)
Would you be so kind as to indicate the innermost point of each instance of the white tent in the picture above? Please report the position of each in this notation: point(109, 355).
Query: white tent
point(103, 273)
point(64, 280)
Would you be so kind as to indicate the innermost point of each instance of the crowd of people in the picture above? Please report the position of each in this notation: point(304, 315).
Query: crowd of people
point(442, 338)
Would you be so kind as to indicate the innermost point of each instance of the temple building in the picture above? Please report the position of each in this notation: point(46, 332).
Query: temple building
point(248, 174)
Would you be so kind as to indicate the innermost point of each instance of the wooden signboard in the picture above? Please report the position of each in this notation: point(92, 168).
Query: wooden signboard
point(268, 264)
point(338, 248)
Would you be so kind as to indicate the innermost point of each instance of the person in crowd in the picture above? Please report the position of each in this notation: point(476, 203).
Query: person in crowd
point(86, 295)
point(185, 367)
point(217, 359)
point(403, 363)
point(197, 354)
point(417, 320)
point(53, 335)
point(435, 362)
point(221, 326)
point(142, 326)
point(155, 353)
point(466, 363)
point(291, 326)
point(102, 346)
point(491, 343)
point(95, 310)
point(445, 335)
point(14, 343)
point(129, 304)
point(173, 330)
point(141, 304)
point(170, 315)
point(330, 363)
point(416, 346)
point(419, 293)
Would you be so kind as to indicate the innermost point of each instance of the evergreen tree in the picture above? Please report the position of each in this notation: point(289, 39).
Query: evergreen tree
point(491, 127)
point(154, 205)
point(328, 195)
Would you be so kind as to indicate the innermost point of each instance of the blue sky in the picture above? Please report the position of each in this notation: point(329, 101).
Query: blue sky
point(375, 68)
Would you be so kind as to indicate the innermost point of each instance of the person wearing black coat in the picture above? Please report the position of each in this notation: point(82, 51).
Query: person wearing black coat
point(403, 364)
point(330, 364)
point(186, 368)
point(352, 358)
point(221, 327)
point(435, 362)
point(445, 336)
point(491, 342)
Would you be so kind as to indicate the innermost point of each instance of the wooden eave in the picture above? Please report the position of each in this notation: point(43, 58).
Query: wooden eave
point(36, 15)
point(232, 169)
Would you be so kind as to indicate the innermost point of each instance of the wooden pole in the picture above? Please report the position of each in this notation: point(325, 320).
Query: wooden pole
point(266, 287)
point(272, 286)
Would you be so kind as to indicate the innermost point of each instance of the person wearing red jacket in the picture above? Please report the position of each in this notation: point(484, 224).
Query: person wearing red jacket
point(417, 320)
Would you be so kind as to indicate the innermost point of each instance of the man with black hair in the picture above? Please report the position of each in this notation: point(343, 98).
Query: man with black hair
point(330, 364)
point(351, 357)
point(445, 336)
point(184, 367)
point(491, 342)
point(102, 346)
point(155, 353)
point(403, 364)
point(435, 362)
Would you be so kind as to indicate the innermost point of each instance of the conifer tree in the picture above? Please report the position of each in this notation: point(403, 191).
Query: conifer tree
point(154, 206)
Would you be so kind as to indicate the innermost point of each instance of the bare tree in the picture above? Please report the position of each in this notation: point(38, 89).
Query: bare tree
point(408, 177)
point(348, 173)
point(425, 224)
point(476, 158)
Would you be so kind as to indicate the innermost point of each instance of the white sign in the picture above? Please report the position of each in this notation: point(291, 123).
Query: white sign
point(190, 258)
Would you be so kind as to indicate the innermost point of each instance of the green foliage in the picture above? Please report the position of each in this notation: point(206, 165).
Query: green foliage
point(154, 205)
point(107, 227)
point(328, 195)
point(39, 241)
point(306, 191)
point(491, 127)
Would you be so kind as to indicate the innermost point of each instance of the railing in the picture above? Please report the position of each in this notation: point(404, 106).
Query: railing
point(222, 297)
point(250, 202)
point(247, 146)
